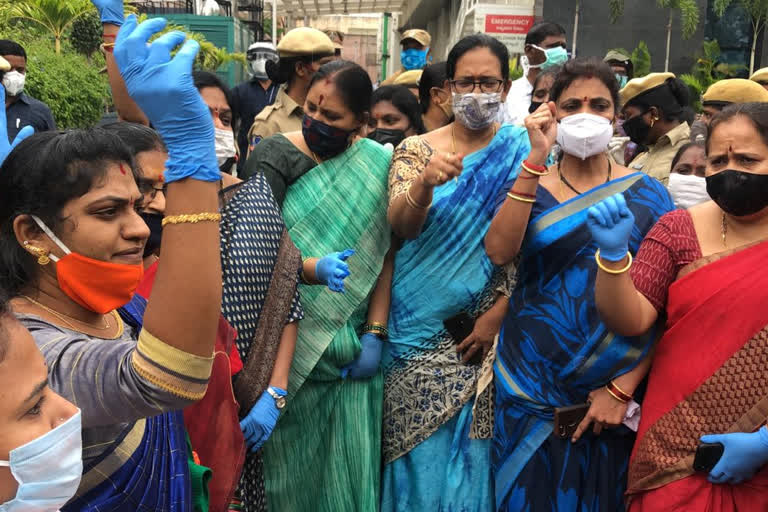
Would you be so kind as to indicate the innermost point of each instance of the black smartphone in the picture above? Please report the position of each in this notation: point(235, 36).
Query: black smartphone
point(707, 456)
point(567, 419)
point(460, 327)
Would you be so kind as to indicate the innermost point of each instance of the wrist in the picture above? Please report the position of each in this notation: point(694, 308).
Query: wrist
point(614, 256)
point(538, 156)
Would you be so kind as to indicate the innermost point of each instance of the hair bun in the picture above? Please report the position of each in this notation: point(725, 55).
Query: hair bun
point(680, 91)
point(280, 71)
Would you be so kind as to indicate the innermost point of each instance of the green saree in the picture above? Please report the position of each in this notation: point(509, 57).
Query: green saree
point(325, 453)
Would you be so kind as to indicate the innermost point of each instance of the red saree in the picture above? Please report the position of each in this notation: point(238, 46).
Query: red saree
point(709, 375)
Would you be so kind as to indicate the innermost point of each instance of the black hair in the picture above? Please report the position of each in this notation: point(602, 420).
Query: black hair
point(685, 147)
point(8, 47)
point(404, 101)
point(203, 79)
point(39, 177)
point(547, 73)
point(4, 316)
point(432, 76)
point(585, 67)
point(542, 30)
point(672, 98)
point(137, 137)
point(478, 41)
point(756, 112)
point(352, 82)
point(284, 70)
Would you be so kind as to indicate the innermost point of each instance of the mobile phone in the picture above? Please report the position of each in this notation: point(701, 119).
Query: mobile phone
point(460, 327)
point(567, 419)
point(707, 456)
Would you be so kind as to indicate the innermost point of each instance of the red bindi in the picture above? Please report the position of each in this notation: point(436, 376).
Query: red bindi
point(122, 170)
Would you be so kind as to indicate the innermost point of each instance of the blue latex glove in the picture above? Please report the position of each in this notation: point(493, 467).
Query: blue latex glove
point(162, 87)
point(5, 146)
point(258, 425)
point(744, 454)
point(332, 269)
point(611, 223)
point(367, 363)
point(110, 11)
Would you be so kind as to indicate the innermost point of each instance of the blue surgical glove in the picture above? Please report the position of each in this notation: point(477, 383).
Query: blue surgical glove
point(610, 221)
point(332, 269)
point(5, 146)
point(110, 11)
point(744, 454)
point(258, 425)
point(367, 363)
point(163, 88)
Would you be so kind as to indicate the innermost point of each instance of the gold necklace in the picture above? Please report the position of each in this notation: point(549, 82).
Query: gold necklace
point(63, 317)
point(314, 157)
point(453, 137)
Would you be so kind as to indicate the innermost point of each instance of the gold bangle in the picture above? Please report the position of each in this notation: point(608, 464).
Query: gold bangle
point(531, 171)
point(520, 198)
point(611, 271)
point(192, 218)
point(412, 202)
point(377, 324)
point(614, 395)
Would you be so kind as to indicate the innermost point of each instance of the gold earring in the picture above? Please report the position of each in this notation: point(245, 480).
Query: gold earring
point(42, 254)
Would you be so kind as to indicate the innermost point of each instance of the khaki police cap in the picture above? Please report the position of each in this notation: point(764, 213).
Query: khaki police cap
point(409, 78)
point(761, 75)
point(735, 90)
point(615, 55)
point(305, 41)
point(638, 86)
point(420, 36)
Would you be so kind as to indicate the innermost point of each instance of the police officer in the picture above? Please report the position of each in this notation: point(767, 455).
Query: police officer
point(410, 79)
point(302, 51)
point(415, 52)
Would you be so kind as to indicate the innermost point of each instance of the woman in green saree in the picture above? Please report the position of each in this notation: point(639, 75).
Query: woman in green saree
point(324, 454)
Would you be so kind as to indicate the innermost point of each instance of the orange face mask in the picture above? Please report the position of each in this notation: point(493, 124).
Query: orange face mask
point(98, 286)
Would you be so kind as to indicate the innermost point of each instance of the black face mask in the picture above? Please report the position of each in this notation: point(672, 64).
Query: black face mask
point(637, 129)
point(534, 106)
point(155, 223)
point(738, 193)
point(384, 136)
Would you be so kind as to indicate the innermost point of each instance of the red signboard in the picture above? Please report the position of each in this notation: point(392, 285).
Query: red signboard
point(507, 24)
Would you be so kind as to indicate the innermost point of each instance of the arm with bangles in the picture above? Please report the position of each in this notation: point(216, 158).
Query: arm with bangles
point(508, 227)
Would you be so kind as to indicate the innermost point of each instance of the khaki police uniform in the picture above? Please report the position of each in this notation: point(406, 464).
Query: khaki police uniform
point(418, 35)
point(734, 90)
point(285, 115)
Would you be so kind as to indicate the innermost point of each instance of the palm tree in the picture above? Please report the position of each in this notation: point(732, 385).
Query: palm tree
point(55, 16)
point(758, 13)
point(689, 12)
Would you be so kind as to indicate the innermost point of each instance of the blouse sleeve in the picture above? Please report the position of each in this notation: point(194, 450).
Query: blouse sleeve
point(118, 381)
point(668, 247)
point(408, 162)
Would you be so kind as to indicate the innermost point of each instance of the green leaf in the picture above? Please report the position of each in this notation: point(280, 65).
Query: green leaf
point(641, 59)
point(616, 8)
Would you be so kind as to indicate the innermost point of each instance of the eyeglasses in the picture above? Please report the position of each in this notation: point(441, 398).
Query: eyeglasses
point(465, 85)
point(149, 190)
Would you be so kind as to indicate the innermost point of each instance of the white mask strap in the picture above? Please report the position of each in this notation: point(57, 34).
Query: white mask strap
point(53, 237)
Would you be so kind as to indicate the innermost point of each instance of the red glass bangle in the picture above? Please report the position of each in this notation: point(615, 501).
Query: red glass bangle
point(534, 167)
point(521, 194)
point(616, 391)
point(109, 36)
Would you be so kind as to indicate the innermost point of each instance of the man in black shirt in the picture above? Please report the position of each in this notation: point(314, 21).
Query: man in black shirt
point(21, 109)
point(252, 96)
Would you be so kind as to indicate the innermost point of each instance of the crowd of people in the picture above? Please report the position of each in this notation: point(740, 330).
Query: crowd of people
point(448, 291)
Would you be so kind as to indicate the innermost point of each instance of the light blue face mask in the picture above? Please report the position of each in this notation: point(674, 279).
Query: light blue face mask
point(556, 56)
point(622, 79)
point(414, 58)
point(48, 469)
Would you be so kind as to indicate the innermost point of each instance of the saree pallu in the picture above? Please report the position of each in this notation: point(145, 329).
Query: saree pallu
point(554, 350)
point(153, 471)
point(430, 461)
point(708, 377)
point(324, 454)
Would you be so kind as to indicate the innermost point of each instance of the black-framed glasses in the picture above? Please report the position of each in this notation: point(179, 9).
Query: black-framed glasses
point(465, 85)
point(149, 188)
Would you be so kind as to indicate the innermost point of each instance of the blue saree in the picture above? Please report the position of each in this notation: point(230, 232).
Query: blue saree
point(155, 476)
point(430, 461)
point(554, 350)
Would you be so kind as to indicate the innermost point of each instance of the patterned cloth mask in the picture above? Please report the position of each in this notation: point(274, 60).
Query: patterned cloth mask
point(476, 111)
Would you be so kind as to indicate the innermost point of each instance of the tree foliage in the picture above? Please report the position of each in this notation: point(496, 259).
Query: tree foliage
point(86, 33)
point(707, 70)
point(55, 16)
point(758, 14)
point(689, 14)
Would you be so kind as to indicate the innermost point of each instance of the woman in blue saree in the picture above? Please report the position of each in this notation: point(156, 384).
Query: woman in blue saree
point(554, 351)
point(436, 449)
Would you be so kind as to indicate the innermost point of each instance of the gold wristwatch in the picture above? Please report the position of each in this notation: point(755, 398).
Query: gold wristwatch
point(279, 400)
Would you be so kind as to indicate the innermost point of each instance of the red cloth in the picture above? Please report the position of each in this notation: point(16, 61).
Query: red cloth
point(712, 312)
point(669, 246)
point(212, 423)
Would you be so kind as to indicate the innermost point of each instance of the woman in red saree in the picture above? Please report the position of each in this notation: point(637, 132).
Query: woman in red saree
point(705, 270)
